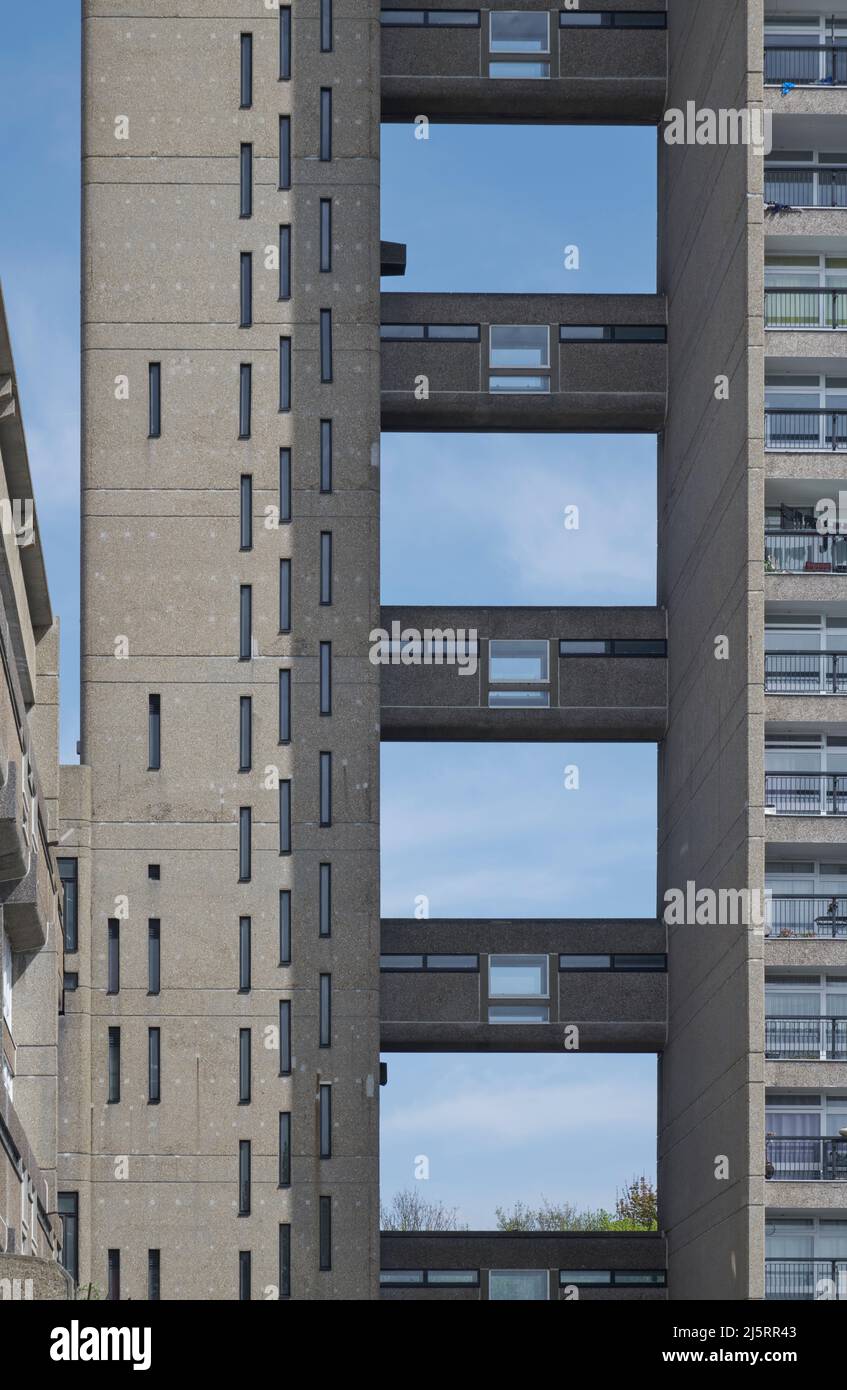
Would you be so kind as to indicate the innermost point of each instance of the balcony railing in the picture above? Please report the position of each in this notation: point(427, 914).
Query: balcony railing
point(805, 308)
point(811, 186)
point(805, 552)
point(806, 1039)
point(810, 1280)
point(798, 915)
point(806, 793)
point(803, 430)
point(806, 673)
point(824, 63)
point(806, 1160)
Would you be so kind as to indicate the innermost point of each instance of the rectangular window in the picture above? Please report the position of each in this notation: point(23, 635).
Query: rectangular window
point(326, 456)
point(154, 1066)
point(285, 1148)
point(154, 733)
point(518, 976)
point(429, 332)
point(285, 816)
point(69, 876)
point(284, 375)
point(113, 1286)
point(70, 981)
point(618, 19)
point(154, 955)
point(285, 1037)
point(246, 506)
point(516, 31)
point(284, 42)
point(114, 962)
point(245, 623)
point(284, 262)
point(245, 1275)
point(613, 333)
point(518, 1013)
point(326, 678)
point(285, 595)
point(244, 1065)
point(285, 485)
point(114, 1066)
point(418, 19)
point(518, 661)
point(326, 345)
point(154, 1276)
point(245, 835)
point(245, 400)
point(246, 173)
point(246, 291)
point(245, 954)
point(519, 699)
point(154, 872)
point(69, 1213)
point(325, 1121)
point(325, 1011)
point(326, 568)
point(246, 71)
point(326, 26)
point(245, 733)
point(524, 1285)
point(284, 733)
point(500, 67)
point(326, 124)
point(284, 152)
point(325, 901)
point(284, 926)
point(285, 1260)
point(326, 234)
point(244, 1177)
point(326, 790)
point(615, 647)
point(519, 346)
point(325, 1233)
point(154, 382)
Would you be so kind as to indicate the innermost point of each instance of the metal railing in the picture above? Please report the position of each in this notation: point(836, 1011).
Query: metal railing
point(802, 430)
point(805, 552)
point(805, 1279)
point(805, 1160)
point(801, 307)
point(824, 63)
point(802, 915)
point(806, 1039)
point(811, 186)
point(806, 793)
point(806, 673)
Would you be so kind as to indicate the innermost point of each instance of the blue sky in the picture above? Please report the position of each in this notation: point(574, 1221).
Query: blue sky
point(482, 830)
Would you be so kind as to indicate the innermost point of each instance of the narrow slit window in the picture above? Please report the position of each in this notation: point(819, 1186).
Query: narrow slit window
point(154, 955)
point(245, 954)
point(154, 1066)
point(245, 849)
point(245, 623)
point(114, 962)
point(326, 790)
point(285, 1260)
point(244, 1177)
point(245, 400)
point(285, 262)
point(325, 1233)
point(326, 124)
point(284, 735)
point(326, 26)
point(285, 1148)
point(246, 286)
point(284, 43)
point(284, 178)
point(325, 1121)
point(114, 1065)
point(285, 926)
point(154, 1276)
point(245, 733)
point(325, 1012)
point(326, 456)
point(284, 375)
point(326, 234)
point(69, 877)
point(285, 1037)
point(246, 175)
point(154, 733)
point(285, 485)
point(245, 1276)
point(326, 345)
point(285, 595)
point(246, 71)
point(285, 816)
point(326, 678)
point(246, 500)
point(326, 568)
point(113, 1287)
point(325, 901)
point(244, 1065)
point(154, 380)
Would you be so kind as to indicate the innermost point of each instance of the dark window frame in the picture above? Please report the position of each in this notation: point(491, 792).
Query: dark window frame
point(245, 622)
point(423, 1282)
point(154, 400)
point(154, 1276)
point(426, 967)
point(613, 967)
point(245, 1177)
point(325, 680)
point(285, 605)
point(326, 456)
point(385, 19)
point(648, 1280)
point(284, 375)
point(325, 230)
point(325, 1010)
point(245, 501)
point(113, 1278)
point(245, 400)
point(285, 1259)
point(612, 19)
point(68, 1209)
point(655, 332)
point(285, 844)
point(245, 844)
point(385, 335)
point(245, 174)
point(324, 1120)
point(326, 569)
point(245, 733)
point(113, 962)
point(284, 155)
point(154, 956)
point(325, 789)
point(325, 133)
point(154, 1066)
point(246, 74)
point(326, 346)
point(285, 1037)
point(284, 927)
point(245, 1276)
point(245, 290)
point(245, 954)
point(284, 707)
point(284, 43)
point(154, 733)
point(326, 26)
point(69, 878)
point(114, 1066)
point(611, 644)
point(284, 1175)
point(325, 900)
point(285, 485)
point(324, 1234)
point(284, 292)
point(245, 1065)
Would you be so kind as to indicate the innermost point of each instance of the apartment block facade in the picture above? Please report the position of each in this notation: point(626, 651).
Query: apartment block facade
point(220, 1059)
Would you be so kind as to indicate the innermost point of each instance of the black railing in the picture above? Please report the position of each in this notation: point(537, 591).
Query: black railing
point(811, 1280)
point(798, 915)
point(805, 552)
point(809, 187)
point(824, 63)
point(806, 673)
point(804, 430)
point(806, 793)
point(806, 1039)
point(806, 1160)
point(805, 308)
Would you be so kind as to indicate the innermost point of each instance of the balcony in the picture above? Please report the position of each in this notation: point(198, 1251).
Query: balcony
point(806, 1159)
point(805, 1280)
point(806, 1039)
point(806, 793)
point(806, 186)
point(806, 309)
point(806, 673)
point(814, 65)
point(812, 430)
point(801, 917)
point(807, 551)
